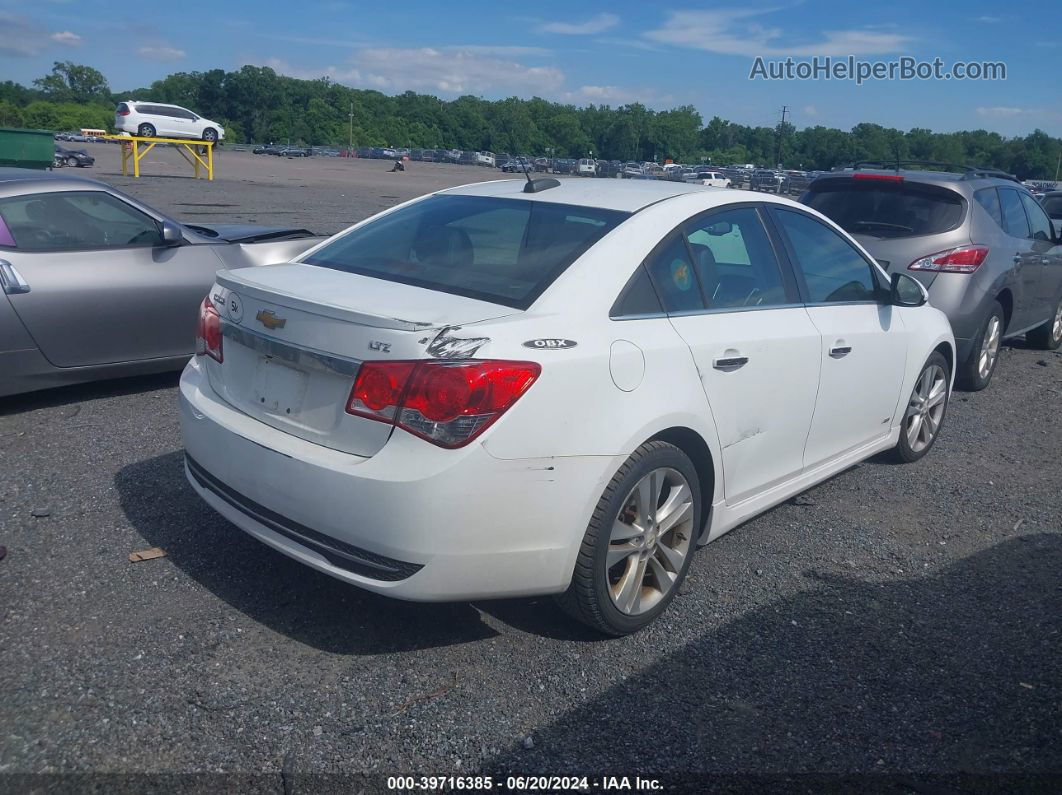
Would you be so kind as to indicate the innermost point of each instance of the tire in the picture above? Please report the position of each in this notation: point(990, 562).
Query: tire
point(146, 130)
point(926, 409)
point(652, 564)
point(1048, 336)
point(976, 372)
point(210, 135)
point(72, 161)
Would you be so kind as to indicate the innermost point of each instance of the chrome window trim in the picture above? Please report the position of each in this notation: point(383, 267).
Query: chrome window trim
point(304, 358)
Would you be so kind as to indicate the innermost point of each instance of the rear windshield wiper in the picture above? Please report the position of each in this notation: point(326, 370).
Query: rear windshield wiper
point(882, 225)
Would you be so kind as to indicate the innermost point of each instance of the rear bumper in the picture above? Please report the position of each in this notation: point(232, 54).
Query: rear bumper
point(413, 521)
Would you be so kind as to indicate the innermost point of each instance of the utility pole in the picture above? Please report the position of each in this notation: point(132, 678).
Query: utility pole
point(351, 145)
point(1057, 164)
point(778, 137)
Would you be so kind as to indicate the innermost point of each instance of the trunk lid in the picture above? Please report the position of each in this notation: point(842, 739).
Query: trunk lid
point(295, 336)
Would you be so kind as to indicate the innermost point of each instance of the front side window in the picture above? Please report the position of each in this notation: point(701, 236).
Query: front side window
point(833, 270)
point(506, 251)
point(1039, 223)
point(734, 260)
point(73, 221)
point(1015, 221)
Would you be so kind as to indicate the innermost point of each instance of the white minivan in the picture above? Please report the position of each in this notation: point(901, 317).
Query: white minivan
point(587, 167)
point(151, 119)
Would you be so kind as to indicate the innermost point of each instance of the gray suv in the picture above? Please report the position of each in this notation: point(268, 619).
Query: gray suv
point(975, 238)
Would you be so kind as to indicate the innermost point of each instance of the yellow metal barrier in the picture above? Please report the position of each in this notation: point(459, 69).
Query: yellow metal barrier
point(135, 148)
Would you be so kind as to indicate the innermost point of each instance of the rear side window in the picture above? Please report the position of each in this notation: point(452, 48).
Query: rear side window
point(639, 297)
point(1039, 223)
point(886, 209)
point(1053, 206)
point(734, 260)
point(989, 199)
point(506, 251)
point(674, 276)
point(833, 270)
point(1014, 221)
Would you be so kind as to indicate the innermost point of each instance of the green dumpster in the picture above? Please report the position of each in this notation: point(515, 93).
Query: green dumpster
point(26, 148)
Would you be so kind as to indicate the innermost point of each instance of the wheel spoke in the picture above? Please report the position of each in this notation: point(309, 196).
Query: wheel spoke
point(671, 556)
point(937, 393)
point(621, 531)
point(646, 500)
point(914, 429)
point(619, 552)
point(664, 578)
point(675, 509)
point(630, 586)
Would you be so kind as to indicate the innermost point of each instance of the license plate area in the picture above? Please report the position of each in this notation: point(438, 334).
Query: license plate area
point(278, 389)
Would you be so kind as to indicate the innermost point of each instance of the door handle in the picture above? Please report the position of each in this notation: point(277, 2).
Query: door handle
point(730, 362)
point(11, 280)
point(840, 350)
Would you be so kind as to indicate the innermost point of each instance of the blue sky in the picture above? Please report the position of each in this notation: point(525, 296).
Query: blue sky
point(661, 54)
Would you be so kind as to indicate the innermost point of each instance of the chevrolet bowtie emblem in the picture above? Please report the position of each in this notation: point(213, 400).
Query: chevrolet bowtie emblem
point(269, 319)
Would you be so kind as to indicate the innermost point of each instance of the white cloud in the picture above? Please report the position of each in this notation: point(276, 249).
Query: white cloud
point(595, 24)
point(731, 31)
point(66, 37)
point(443, 71)
point(811, 110)
point(615, 95)
point(502, 50)
point(160, 52)
point(22, 38)
point(988, 20)
point(1001, 112)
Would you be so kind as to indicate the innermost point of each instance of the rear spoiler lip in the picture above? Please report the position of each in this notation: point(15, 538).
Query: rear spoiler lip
point(231, 280)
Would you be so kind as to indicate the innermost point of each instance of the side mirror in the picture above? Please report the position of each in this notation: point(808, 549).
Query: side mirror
point(906, 291)
point(171, 233)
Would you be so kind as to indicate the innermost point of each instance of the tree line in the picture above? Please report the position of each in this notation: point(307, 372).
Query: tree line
point(257, 105)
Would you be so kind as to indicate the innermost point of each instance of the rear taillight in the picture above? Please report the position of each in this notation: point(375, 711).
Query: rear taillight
point(446, 403)
point(208, 335)
point(122, 113)
point(964, 259)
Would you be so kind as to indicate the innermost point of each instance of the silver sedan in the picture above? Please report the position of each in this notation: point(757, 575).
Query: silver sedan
point(98, 285)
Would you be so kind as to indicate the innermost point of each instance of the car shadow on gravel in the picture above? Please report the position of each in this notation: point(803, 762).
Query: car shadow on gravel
point(77, 393)
point(280, 593)
point(956, 674)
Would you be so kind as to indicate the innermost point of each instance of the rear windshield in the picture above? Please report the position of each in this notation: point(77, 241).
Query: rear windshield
point(884, 209)
point(506, 251)
point(1053, 205)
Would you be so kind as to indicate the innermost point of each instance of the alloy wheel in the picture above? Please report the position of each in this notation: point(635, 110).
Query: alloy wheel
point(925, 410)
point(1056, 326)
point(990, 347)
point(650, 541)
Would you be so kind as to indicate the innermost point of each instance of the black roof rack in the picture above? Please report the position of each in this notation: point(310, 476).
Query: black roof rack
point(967, 171)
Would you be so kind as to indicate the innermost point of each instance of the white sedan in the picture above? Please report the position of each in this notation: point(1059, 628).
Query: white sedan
point(515, 388)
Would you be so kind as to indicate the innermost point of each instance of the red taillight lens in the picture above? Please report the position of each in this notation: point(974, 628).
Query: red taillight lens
point(122, 113)
point(964, 259)
point(208, 335)
point(447, 403)
point(879, 177)
point(379, 388)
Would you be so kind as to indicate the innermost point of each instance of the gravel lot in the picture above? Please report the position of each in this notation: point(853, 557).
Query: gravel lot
point(899, 621)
